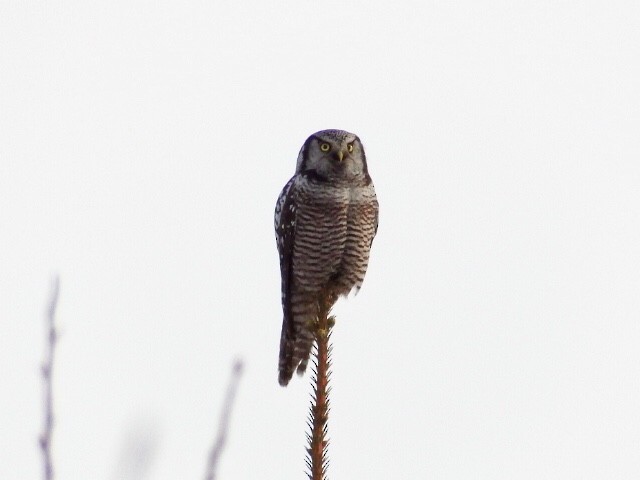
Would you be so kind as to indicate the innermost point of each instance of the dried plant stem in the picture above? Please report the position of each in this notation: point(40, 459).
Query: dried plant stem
point(223, 426)
point(317, 461)
point(47, 370)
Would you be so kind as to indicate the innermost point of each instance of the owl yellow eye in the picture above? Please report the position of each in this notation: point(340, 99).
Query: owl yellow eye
point(325, 147)
point(350, 148)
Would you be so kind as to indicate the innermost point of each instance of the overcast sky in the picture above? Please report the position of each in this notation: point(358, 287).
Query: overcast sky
point(143, 145)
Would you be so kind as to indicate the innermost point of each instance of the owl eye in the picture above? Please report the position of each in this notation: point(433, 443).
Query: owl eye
point(350, 147)
point(325, 147)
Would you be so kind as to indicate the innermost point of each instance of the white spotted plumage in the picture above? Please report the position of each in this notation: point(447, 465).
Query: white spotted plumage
point(325, 219)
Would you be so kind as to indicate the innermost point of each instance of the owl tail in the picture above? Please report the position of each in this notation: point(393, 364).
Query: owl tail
point(284, 377)
point(295, 349)
point(302, 367)
point(285, 368)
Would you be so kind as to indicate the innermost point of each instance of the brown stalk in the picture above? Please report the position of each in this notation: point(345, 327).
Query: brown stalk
point(318, 460)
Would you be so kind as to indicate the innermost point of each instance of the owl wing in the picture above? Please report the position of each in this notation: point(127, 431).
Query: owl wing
point(377, 215)
point(285, 227)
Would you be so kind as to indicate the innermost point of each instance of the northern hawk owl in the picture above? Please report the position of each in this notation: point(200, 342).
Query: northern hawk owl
point(325, 219)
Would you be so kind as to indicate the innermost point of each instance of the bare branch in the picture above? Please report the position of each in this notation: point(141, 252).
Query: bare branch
point(223, 426)
point(47, 371)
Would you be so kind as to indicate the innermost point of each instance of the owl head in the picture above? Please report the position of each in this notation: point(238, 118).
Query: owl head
point(333, 154)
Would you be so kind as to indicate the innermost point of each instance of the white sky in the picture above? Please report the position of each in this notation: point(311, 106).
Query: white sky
point(142, 148)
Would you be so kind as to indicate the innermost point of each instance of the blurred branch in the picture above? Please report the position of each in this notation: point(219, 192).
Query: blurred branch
point(223, 426)
point(318, 460)
point(47, 370)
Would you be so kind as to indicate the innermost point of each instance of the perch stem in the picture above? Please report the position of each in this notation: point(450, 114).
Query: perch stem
point(318, 442)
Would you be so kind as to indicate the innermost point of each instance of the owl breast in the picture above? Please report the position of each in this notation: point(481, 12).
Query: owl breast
point(334, 228)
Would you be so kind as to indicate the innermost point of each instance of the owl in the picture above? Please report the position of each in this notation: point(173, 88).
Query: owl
point(325, 219)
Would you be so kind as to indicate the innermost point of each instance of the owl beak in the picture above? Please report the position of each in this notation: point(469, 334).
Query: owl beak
point(340, 155)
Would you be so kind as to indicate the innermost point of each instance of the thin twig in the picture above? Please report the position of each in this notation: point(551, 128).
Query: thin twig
point(317, 460)
point(47, 370)
point(223, 426)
